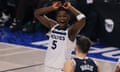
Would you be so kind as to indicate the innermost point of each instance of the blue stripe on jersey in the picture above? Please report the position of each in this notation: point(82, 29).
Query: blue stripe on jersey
point(59, 32)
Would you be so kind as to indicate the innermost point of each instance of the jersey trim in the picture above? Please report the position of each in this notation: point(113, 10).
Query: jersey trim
point(58, 32)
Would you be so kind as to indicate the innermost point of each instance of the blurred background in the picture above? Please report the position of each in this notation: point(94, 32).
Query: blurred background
point(18, 24)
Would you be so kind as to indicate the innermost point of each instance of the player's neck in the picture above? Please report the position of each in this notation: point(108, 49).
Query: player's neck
point(63, 25)
point(81, 55)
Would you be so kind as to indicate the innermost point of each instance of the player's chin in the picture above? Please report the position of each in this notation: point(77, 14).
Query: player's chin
point(63, 22)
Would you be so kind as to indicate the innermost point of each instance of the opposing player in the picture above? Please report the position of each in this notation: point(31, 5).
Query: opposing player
point(118, 66)
point(62, 37)
point(81, 63)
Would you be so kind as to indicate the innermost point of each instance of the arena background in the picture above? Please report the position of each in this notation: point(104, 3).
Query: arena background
point(23, 52)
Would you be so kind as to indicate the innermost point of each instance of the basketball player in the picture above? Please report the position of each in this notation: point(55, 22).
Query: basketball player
point(62, 37)
point(81, 63)
point(118, 66)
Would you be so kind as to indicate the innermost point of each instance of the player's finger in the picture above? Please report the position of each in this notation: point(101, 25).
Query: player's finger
point(56, 5)
point(66, 5)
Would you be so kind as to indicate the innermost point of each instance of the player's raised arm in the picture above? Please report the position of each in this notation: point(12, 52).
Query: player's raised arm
point(79, 24)
point(40, 14)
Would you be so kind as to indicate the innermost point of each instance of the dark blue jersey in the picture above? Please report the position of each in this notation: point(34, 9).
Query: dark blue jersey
point(85, 65)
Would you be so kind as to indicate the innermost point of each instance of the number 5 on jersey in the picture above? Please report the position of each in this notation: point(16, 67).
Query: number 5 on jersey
point(54, 44)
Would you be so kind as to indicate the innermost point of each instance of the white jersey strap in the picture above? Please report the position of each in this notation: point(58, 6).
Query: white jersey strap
point(54, 27)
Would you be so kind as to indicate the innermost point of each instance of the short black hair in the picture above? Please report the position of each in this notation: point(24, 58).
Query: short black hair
point(61, 9)
point(59, 0)
point(84, 44)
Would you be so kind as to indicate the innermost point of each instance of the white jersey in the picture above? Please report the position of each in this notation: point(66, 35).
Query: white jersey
point(60, 48)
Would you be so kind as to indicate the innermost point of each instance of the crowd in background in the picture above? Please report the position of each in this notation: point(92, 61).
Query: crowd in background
point(102, 17)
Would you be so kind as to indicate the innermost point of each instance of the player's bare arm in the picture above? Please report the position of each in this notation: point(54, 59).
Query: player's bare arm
point(98, 68)
point(117, 69)
point(68, 66)
point(40, 14)
point(78, 25)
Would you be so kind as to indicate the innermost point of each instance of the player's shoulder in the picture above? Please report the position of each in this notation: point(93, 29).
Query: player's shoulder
point(68, 66)
point(68, 62)
point(93, 60)
point(96, 62)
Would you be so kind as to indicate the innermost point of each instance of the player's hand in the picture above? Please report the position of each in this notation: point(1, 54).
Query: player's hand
point(67, 5)
point(56, 5)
